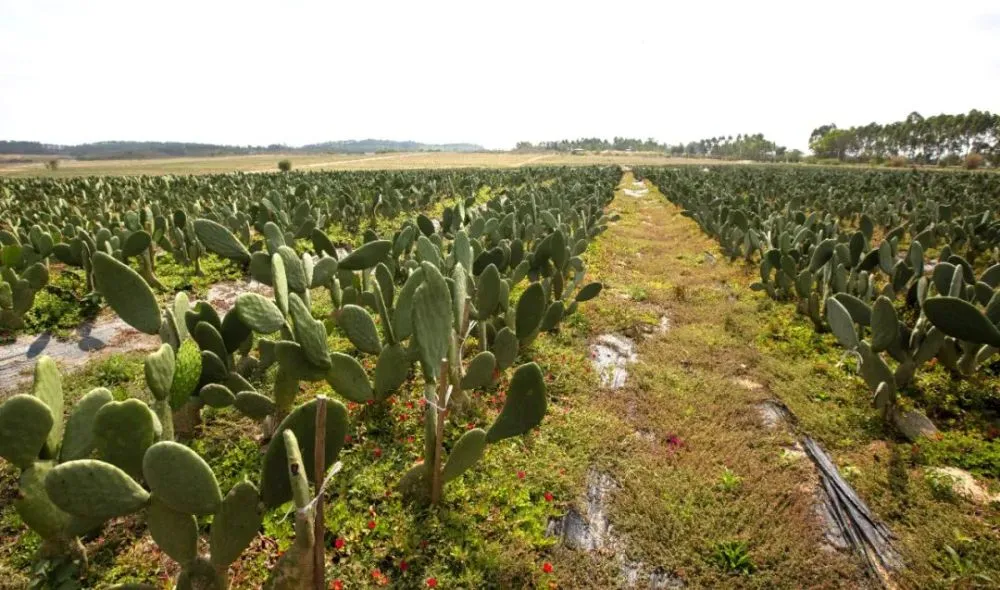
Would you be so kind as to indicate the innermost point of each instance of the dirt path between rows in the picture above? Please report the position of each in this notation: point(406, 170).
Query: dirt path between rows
point(705, 487)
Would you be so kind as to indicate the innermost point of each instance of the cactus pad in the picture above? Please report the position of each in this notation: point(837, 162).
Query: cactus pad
point(260, 313)
point(525, 405)
point(122, 433)
point(78, 440)
point(25, 424)
point(359, 327)
point(236, 524)
point(127, 293)
point(159, 368)
point(94, 490)
point(181, 479)
point(176, 533)
point(466, 453)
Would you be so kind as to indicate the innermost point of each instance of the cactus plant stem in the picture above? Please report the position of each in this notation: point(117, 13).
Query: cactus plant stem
point(442, 410)
point(319, 568)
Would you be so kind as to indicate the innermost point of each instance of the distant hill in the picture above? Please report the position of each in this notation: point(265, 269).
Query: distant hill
point(385, 145)
point(108, 150)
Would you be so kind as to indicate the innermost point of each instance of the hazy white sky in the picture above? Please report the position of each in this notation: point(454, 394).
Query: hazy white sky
point(485, 72)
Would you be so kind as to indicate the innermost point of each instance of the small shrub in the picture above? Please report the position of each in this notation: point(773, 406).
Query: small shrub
point(285, 165)
point(733, 557)
point(680, 292)
point(52, 164)
point(729, 481)
point(973, 162)
point(942, 486)
point(896, 162)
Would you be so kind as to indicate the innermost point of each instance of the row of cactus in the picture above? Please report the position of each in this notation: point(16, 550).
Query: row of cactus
point(843, 283)
point(110, 459)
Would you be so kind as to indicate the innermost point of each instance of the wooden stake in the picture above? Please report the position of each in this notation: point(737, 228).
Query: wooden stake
point(319, 471)
point(441, 409)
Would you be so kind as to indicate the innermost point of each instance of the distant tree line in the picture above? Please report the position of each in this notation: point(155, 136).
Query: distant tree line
point(591, 144)
point(944, 139)
point(106, 150)
point(742, 147)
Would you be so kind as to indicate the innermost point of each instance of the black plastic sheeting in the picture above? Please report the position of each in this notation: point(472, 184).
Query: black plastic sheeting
point(870, 538)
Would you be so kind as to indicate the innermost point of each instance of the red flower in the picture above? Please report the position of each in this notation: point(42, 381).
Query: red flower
point(520, 475)
point(548, 496)
point(432, 582)
point(336, 585)
point(409, 405)
point(547, 567)
point(370, 403)
point(410, 439)
point(470, 425)
point(378, 452)
point(404, 417)
point(371, 525)
point(347, 439)
point(338, 543)
point(403, 566)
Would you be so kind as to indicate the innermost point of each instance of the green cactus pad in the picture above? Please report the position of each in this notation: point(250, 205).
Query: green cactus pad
point(175, 532)
point(488, 292)
point(348, 378)
point(432, 319)
point(390, 371)
point(359, 327)
point(530, 311)
point(47, 387)
point(221, 241)
point(127, 293)
point(415, 486)
point(234, 332)
point(589, 292)
point(94, 490)
point(275, 486)
point(34, 506)
point(294, 272)
point(874, 370)
point(136, 243)
point(159, 368)
point(209, 339)
point(122, 433)
point(466, 453)
point(402, 315)
point(366, 256)
point(885, 325)
point(254, 405)
point(279, 278)
point(78, 440)
point(860, 312)
point(960, 319)
point(553, 315)
point(309, 333)
point(260, 313)
point(213, 368)
point(187, 374)
point(181, 479)
point(293, 361)
point(25, 424)
point(525, 405)
point(236, 524)
point(505, 347)
point(841, 323)
point(216, 396)
point(480, 372)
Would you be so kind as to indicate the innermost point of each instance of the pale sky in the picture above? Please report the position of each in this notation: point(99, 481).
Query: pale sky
point(491, 73)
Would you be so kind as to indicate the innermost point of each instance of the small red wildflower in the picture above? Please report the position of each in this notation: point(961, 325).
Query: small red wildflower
point(351, 405)
point(404, 417)
point(370, 402)
point(403, 566)
point(347, 439)
point(371, 525)
point(336, 585)
point(520, 475)
point(470, 425)
point(547, 567)
point(410, 439)
point(377, 452)
point(548, 496)
point(422, 402)
point(432, 582)
point(338, 543)
point(409, 405)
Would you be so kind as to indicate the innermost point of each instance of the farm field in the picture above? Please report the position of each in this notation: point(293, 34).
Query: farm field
point(314, 162)
point(522, 371)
